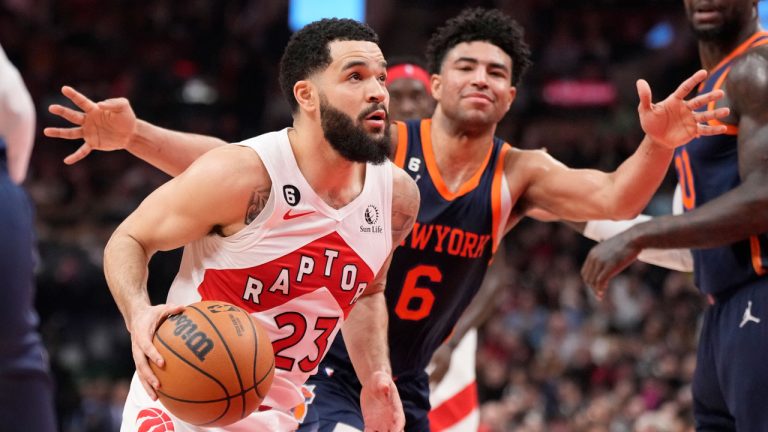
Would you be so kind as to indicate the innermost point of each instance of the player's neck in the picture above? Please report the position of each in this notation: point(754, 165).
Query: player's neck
point(459, 153)
point(712, 52)
point(317, 160)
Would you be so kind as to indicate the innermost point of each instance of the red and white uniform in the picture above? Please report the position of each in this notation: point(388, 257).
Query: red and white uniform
point(455, 407)
point(298, 268)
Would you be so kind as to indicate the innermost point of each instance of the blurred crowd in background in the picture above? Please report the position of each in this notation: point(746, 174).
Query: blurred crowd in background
point(550, 359)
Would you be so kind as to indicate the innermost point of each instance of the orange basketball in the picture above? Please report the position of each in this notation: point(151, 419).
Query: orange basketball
point(219, 364)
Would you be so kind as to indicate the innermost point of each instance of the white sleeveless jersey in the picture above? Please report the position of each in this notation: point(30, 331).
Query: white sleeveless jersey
point(298, 268)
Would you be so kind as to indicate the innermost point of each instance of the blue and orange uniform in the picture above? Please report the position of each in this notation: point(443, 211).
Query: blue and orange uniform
point(732, 276)
point(434, 275)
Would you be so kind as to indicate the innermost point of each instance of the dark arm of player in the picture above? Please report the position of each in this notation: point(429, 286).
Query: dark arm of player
point(477, 313)
point(734, 216)
point(743, 211)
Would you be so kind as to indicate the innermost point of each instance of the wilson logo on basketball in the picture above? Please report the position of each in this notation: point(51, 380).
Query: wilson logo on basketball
point(154, 420)
point(197, 342)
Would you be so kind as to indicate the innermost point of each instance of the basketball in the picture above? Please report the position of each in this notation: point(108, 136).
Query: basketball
point(219, 364)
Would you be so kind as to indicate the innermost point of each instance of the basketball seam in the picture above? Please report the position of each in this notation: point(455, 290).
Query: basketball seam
point(229, 353)
point(255, 361)
point(165, 344)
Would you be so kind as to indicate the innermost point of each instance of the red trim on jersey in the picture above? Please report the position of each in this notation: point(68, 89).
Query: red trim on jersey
point(434, 172)
point(496, 192)
point(455, 409)
point(402, 144)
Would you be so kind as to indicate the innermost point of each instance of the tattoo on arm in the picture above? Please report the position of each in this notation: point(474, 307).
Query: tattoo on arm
point(256, 204)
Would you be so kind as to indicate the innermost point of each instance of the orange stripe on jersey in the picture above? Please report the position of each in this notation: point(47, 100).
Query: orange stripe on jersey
point(434, 172)
point(747, 44)
point(729, 128)
point(757, 261)
point(402, 144)
point(498, 174)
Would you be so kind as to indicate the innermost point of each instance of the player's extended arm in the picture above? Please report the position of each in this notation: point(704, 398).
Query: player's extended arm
point(212, 193)
point(112, 125)
point(481, 308)
point(17, 119)
point(733, 216)
point(365, 330)
point(583, 194)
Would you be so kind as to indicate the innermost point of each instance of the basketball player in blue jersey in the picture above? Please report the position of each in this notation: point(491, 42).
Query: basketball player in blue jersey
point(724, 180)
point(26, 389)
point(474, 189)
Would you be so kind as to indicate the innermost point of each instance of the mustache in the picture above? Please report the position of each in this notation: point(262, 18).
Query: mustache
point(372, 108)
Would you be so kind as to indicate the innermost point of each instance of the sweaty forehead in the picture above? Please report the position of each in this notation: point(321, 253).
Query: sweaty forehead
point(481, 51)
point(343, 52)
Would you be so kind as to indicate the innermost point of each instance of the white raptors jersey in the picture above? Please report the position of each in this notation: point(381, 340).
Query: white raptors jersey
point(298, 268)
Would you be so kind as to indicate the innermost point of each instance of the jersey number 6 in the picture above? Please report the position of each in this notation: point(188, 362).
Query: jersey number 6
point(405, 308)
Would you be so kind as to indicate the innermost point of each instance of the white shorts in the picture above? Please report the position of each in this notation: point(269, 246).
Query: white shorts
point(142, 414)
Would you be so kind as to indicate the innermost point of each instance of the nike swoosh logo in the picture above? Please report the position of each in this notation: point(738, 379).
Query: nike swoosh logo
point(288, 215)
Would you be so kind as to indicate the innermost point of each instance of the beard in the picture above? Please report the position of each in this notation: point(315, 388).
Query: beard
point(350, 139)
point(727, 31)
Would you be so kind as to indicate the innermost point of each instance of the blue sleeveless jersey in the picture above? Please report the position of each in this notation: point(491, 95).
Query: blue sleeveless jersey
point(439, 267)
point(708, 167)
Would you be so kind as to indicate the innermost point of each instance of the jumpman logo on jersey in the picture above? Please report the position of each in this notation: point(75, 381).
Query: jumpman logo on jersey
point(748, 316)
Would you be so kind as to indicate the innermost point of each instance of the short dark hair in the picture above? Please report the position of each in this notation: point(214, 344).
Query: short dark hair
point(479, 24)
point(308, 50)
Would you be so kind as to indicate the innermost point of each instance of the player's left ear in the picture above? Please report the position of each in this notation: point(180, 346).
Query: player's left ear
point(512, 93)
point(436, 85)
point(306, 95)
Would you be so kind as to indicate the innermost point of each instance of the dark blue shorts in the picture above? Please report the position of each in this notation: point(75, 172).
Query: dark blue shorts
point(336, 401)
point(730, 385)
point(26, 389)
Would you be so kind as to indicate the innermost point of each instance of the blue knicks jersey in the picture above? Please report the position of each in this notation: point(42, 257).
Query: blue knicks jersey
point(436, 272)
point(439, 267)
point(708, 167)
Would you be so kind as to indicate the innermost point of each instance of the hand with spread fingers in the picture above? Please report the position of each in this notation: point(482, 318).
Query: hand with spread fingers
point(107, 125)
point(675, 121)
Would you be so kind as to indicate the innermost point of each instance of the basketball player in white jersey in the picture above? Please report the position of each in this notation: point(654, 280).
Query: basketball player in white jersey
point(268, 229)
point(476, 87)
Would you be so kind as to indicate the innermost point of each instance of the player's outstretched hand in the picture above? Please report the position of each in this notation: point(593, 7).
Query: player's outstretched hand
point(143, 325)
point(675, 121)
point(606, 260)
point(107, 125)
point(381, 405)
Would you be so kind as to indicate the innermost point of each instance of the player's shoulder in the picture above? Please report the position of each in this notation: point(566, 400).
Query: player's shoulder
point(405, 203)
point(748, 76)
point(229, 166)
point(403, 186)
